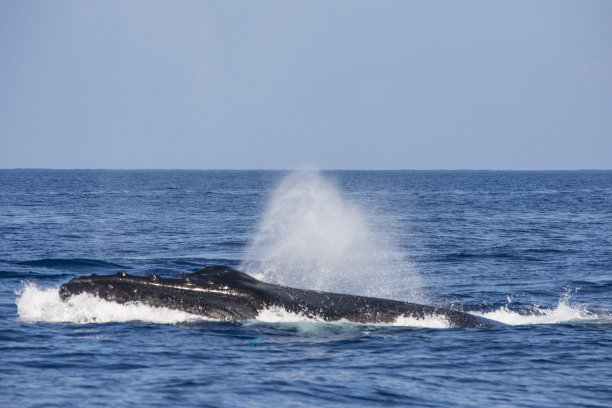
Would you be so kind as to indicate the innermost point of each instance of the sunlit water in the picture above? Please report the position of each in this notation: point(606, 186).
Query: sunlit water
point(532, 250)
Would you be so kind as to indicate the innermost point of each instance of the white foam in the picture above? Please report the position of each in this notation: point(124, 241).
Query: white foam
point(431, 321)
point(45, 305)
point(279, 315)
point(562, 313)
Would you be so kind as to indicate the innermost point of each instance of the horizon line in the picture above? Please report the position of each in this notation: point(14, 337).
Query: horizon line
point(284, 169)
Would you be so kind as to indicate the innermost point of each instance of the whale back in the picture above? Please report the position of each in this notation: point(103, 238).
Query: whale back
point(223, 293)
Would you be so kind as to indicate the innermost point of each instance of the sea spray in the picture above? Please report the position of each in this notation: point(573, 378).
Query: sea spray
point(311, 237)
point(563, 312)
point(36, 304)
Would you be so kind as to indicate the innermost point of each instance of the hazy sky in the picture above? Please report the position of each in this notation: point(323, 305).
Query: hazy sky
point(287, 84)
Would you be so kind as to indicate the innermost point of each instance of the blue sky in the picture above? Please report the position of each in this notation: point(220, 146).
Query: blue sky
point(287, 84)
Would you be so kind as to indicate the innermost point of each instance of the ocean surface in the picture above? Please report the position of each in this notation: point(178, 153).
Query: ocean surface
point(532, 250)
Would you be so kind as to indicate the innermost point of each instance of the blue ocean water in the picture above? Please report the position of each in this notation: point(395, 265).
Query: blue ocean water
point(530, 249)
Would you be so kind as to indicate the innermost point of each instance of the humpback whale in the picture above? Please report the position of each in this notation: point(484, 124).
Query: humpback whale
point(223, 293)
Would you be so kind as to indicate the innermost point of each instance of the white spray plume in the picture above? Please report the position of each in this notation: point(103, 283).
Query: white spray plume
point(312, 238)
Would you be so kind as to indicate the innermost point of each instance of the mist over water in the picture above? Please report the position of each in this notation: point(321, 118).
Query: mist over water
point(311, 237)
